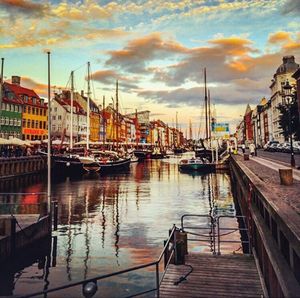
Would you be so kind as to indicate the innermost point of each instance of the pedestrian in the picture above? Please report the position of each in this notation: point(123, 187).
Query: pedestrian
point(243, 148)
point(252, 149)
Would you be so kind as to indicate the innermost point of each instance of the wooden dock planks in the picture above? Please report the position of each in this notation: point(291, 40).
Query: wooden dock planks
point(213, 276)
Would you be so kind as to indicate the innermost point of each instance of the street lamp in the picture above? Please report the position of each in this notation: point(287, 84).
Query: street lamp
point(287, 95)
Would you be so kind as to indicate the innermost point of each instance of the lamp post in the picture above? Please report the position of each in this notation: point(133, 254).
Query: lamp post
point(287, 95)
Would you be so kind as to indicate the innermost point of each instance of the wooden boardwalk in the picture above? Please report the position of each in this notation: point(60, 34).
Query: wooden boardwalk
point(214, 276)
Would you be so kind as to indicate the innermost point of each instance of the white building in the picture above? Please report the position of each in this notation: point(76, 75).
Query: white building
point(61, 119)
point(283, 73)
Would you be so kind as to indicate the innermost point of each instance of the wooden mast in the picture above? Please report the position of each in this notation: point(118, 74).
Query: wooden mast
point(103, 121)
point(205, 101)
point(117, 111)
point(72, 105)
point(88, 110)
point(209, 115)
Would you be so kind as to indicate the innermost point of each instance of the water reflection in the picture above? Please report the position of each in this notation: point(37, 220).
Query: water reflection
point(111, 222)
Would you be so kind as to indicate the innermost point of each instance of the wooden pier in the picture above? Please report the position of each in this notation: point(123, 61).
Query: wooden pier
point(213, 276)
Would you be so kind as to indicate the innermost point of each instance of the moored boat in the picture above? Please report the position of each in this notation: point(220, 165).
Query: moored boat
point(195, 164)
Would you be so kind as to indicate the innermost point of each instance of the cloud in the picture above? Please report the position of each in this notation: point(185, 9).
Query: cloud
point(109, 77)
point(39, 88)
point(23, 6)
point(291, 7)
point(135, 55)
point(279, 37)
point(88, 10)
point(238, 91)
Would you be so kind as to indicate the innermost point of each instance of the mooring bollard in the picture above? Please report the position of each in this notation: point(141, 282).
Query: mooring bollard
point(286, 176)
point(246, 156)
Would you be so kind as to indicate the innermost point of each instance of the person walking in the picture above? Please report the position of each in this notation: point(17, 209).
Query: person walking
point(252, 149)
point(243, 148)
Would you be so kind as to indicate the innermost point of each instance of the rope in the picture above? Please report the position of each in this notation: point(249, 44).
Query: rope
point(183, 277)
point(23, 231)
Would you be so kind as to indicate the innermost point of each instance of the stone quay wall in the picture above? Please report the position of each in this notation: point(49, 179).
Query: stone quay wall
point(17, 166)
point(274, 230)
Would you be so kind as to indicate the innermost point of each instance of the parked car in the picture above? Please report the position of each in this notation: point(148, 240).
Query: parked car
point(269, 143)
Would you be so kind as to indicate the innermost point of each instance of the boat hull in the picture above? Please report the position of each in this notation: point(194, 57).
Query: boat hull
point(111, 166)
point(195, 167)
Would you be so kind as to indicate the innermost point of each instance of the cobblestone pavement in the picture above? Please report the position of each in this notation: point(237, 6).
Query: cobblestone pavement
point(288, 194)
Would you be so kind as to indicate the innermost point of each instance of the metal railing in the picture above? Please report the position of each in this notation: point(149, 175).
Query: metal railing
point(169, 250)
point(209, 237)
point(231, 230)
point(216, 232)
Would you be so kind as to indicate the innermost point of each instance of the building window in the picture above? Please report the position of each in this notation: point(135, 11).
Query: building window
point(2, 120)
point(59, 117)
point(15, 122)
point(32, 123)
point(36, 124)
point(44, 125)
point(29, 110)
point(6, 121)
point(25, 98)
point(53, 117)
point(34, 100)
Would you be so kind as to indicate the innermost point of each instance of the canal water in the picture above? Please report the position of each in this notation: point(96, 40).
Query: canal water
point(109, 223)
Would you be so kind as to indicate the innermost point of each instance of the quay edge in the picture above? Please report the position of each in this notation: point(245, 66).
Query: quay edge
point(274, 230)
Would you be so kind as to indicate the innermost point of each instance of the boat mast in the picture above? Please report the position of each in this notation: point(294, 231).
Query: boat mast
point(88, 109)
point(72, 104)
point(103, 121)
point(1, 86)
point(49, 140)
point(177, 141)
point(117, 111)
point(209, 115)
point(136, 129)
point(205, 102)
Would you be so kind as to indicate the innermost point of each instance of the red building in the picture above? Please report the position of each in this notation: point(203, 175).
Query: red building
point(248, 129)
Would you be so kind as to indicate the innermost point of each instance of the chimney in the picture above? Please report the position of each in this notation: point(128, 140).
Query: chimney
point(16, 80)
point(288, 59)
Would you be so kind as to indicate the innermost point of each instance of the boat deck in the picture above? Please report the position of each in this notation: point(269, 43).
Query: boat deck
point(213, 276)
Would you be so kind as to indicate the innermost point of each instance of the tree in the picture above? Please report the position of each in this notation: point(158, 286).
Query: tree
point(284, 118)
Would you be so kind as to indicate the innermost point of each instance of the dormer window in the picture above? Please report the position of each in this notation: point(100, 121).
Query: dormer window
point(34, 100)
point(25, 98)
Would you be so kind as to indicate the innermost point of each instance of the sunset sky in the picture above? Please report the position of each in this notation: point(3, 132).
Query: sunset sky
point(156, 49)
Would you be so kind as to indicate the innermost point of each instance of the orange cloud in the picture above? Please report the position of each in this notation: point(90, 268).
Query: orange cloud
point(279, 37)
point(137, 52)
point(40, 88)
point(235, 46)
point(24, 6)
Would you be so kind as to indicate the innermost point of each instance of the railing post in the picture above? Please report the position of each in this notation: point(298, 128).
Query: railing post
point(157, 279)
point(13, 223)
point(213, 220)
point(55, 215)
point(219, 239)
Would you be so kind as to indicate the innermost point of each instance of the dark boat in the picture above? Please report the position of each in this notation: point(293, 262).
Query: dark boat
point(179, 150)
point(74, 164)
point(142, 154)
point(110, 161)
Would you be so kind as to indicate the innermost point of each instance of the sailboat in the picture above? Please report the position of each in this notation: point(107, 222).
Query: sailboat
point(200, 161)
point(72, 162)
point(110, 161)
